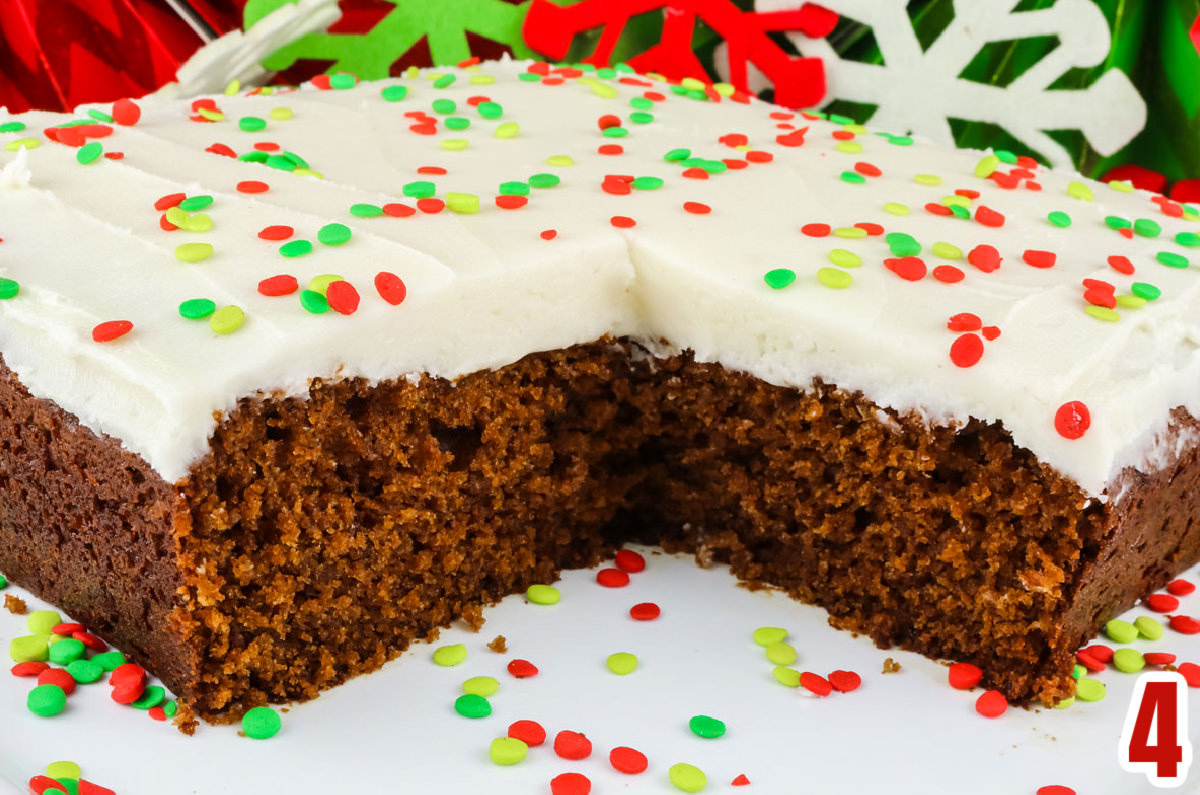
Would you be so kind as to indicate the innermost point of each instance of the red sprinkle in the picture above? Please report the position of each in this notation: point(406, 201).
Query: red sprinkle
point(529, 732)
point(610, 149)
point(343, 297)
point(91, 641)
point(966, 193)
point(398, 210)
point(126, 112)
point(1099, 651)
point(127, 672)
point(1100, 297)
point(816, 230)
point(612, 578)
point(989, 217)
point(616, 187)
point(992, 704)
point(1088, 661)
point(757, 156)
point(157, 713)
point(628, 760)
point(1039, 259)
point(43, 784)
point(66, 629)
point(630, 561)
point(252, 186)
point(607, 121)
point(696, 208)
point(622, 222)
point(169, 201)
point(1055, 789)
point(795, 138)
point(909, 268)
point(437, 170)
point(221, 149)
point(734, 139)
point(1121, 264)
point(1158, 658)
point(948, 274)
point(867, 169)
point(645, 611)
point(30, 668)
point(128, 692)
point(733, 164)
point(1180, 587)
point(845, 681)
point(431, 205)
point(1185, 625)
point(390, 287)
point(966, 350)
point(572, 745)
point(549, 234)
point(985, 257)
point(570, 784)
point(964, 321)
point(938, 209)
point(57, 676)
point(695, 173)
point(964, 676)
point(522, 669)
point(110, 330)
point(283, 284)
point(871, 229)
point(277, 232)
point(511, 202)
point(815, 683)
point(740, 781)
point(1162, 603)
point(1191, 673)
point(1072, 419)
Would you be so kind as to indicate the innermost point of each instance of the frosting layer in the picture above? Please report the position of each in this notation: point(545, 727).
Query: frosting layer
point(526, 208)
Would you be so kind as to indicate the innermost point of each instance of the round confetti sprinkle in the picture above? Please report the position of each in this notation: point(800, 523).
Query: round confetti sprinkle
point(629, 561)
point(522, 669)
point(1146, 227)
point(390, 287)
point(126, 113)
point(1039, 259)
point(1089, 689)
point(507, 751)
point(463, 203)
point(277, 232)
point(64, 769)
point(366, 210)
point(342, 297)
point(1059, 219)
point(612, 578)
point(481, 686)
point(707, 727)
point(89, 152)
point(252, 186)
point(542, 594)
point(834, 278)
point(964, 676)
point(628, 760)
point(1174, 587)
point(844, 259)
point(1162, 603)
point(1128, 661)
point(193, 252)
point(1172, 260)
point(66, 651)
point(788, 677)
point(572, 745)
point(991, 704)
point(1148, 628)
point(687, 778)
point(46, 700)
point(394, 93)
point(1186, 625)
point(29, 648)
point(622, 222)
point(273, 286)
point(450, 655)
point(296, 248)
point(1072, 421)
point(85, 672)
point(227, 319)
point(781, 653)
point(845, 681)
point(622, 663)
point(1145, 291)
point(779, 278)
point(58, 677)
point(334, 234)
point(570, 784)
point(151, 697)
point(966, 350)
point(261, 723)
point(28, 668)
point(110, 660)
point(765, 636)
point(696, 208)
point(8, 289)
point(472, 706)
point(815, 683)
point(645, 611)
point(111, 330)
point(527, 731)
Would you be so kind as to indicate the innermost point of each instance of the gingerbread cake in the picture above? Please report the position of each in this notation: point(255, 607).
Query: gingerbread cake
point(290, 378)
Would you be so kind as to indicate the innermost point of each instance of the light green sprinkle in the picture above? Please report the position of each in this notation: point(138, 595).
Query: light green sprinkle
point(849, 232)
point(455, 144)
point(954, 200)
point(849, 147)
point(394, 93)
point(622, 663)
point(211, 115)
point(448, 656)
point(542, 594)
point(1089, 689)
point(445, 81)
point(1102, 313)
point(444, 106)
point(8, 289)
point(1145, 290)
point(1171, 259)
point(261, 723)
point(896, 208)
point(1059, 219)
point(1147, 227)
point(1066, 702)
point(1120, 631)
point(85, 671)
point(296, 248)
point(845, 259)
point(544, 180)
point(946, 250)
point(193, 252)
point(560, 161)
point(1130, 302)
point(89, 152)
point(465, 203)
point(1121, 185)
point(199, 222)
point(706, 727)
point(508, 129)
point(788, 677)
point(29, 648)
point(23, 143)
point(986, 166)
point(63, 770)
point(1128, 660)
point(334, 234)
point(834, 278)
point(507, 751)
point(46, 700)
point(1077, 190)
point(687, 778)
point(281, 113)
point(252, 124)
point(927, 179)
point(484, 80)
point(1149, 628)
point(67, 651)
point(677, 154)
point(313, 302)
point(472, 706)
point(1116, 222)
point(320, 284)
point(489, 110)
point(603, 90)
point(1190, 239)
point(420, 189)
point(765, 636)
point(481, 685)
point(779, 652)
point(227, 319)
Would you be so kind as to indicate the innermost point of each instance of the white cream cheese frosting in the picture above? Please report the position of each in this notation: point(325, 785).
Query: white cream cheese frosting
point(701, 251)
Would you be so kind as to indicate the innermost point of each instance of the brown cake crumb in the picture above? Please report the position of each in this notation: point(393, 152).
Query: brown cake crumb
point(890, 666)
point(14, 604)
point(499, 644)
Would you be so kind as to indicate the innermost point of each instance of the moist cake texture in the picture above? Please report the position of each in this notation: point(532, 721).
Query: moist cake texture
point(297, 377)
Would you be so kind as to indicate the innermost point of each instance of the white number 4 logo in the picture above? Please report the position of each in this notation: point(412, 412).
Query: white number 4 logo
point(1155, 738)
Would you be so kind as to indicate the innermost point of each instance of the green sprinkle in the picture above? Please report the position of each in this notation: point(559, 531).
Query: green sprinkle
point(779, 278)
point(314, 302)
point(252, 124)
point(194, 203)
point(528, 77)
point(1006, 156)
point(1102, 313)
point(622, 663)
point(900, 140)
point(261, 723)
point(987, 166)
point(1116, 222)
point(481, 686)
point(444, 106)
point(1171, 259)
point(465, 203)
point(46, 700)
point(64, 769)
point(3, 582)
point(227, 319)
point(1077, 190)
point(788, 677)
point(394, 93)
point(170, 708)
point(946, 250)
point(844, 259)
point(296, 248)
point(706, 727)
point(457, 123)
point(508, 129)
point(615, 132)
point(421, 189)
point(507, 751)
point(29, 648)
point(544, 180)
point(1120, 631)
point(765, 636)
point(489, 110)
point(299, 161)
point(1146, 227)
point(960, 211)
point(444, 81)
point(1130, 302)
point(1145, 290)
point(1089, 689)
point(1128, 661)
point(849, 232)
point(1189, 239)
point(365, 210)
point(542, 594)
point(1148, 628)
point(334, 234)
point(514, 188)
point(109, 660)
point(641, 117)
point(853, 177)
point(12, 126)
point(902, 244)
point(67, 651)
point(281, 113)
point(41, 622)
point(85, 671)
point(23, 143)
point(927, 179)
point(152, 696)
point(896, 208)
point(342, 81)
point(677, 154)
point(1059, 219)
point(472, 706)
point(834, 278)
point(779, 652)
point(687, 778)
point(8, 289)
point(647, 183)
point(560, 160)
point(89, 152)
point(641, 103)
point(254, 156)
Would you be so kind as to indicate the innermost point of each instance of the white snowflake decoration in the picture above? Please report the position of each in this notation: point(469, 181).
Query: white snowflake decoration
point(918, 91)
